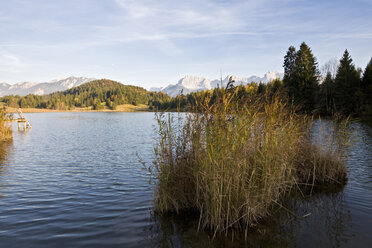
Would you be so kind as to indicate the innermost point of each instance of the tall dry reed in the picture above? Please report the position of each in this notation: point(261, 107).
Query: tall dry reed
point(5, 126)
point(233, 161)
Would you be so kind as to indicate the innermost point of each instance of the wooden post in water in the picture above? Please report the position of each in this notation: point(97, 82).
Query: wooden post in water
point(22, 119)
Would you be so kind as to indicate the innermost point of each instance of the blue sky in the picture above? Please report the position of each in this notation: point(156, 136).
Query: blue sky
point(154, 43)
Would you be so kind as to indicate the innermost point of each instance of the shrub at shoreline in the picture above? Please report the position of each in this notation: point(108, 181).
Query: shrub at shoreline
point(232, 161)
point(5, 127)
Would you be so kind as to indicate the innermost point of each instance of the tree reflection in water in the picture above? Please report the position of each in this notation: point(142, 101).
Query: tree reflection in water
point(304, 221)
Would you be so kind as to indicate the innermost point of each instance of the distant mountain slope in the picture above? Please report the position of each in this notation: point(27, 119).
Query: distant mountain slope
point(104, 91)
point(193, 83)
point(97, 94)
point(25, 88)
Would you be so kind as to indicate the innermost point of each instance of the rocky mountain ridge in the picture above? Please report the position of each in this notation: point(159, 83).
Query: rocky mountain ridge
point(190, 83)
point(25, 88)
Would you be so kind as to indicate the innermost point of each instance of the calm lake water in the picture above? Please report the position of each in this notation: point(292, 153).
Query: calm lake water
point(74, 180)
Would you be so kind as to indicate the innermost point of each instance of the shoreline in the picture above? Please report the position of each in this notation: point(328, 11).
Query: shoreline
point(120, 108)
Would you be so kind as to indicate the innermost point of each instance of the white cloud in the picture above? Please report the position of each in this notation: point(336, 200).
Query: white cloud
point(169, 36)
point(171, 17)
point(9, 63)
point(135, 9)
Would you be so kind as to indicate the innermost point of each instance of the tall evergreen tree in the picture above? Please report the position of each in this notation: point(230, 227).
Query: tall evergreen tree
point(289, 71)
point(347, 83)
point(367, 75)
point(301, 75)
point(290, 62)
point(307, 74)
point(367, 90)
point(367, 78)
point(326, 98)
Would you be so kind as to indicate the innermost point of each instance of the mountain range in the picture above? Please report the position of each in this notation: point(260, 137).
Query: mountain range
point(185, 85)
point(25, 88)
point(189, 83)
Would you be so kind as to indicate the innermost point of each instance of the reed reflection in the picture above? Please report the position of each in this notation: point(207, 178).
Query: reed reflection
point(303, 220)
point(5, 148)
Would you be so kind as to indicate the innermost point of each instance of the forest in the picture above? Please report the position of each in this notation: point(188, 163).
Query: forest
point(343, 89)
point(98, 94)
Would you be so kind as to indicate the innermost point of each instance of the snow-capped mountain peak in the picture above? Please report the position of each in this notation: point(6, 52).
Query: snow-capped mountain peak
point(190, 83)
point(23, 85)
point(271, 75)
point(194, 82)
point(25, 88)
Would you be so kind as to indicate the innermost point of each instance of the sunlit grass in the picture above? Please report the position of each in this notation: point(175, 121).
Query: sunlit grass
point(119, 108)
point(232, 162)
point(5, 126)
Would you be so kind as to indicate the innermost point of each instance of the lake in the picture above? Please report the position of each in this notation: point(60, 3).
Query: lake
point(75, 180)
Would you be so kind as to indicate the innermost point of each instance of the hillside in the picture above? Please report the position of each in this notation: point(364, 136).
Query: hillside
point(97, 94)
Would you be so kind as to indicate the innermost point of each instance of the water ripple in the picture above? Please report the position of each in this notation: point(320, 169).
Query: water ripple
point(75, 180)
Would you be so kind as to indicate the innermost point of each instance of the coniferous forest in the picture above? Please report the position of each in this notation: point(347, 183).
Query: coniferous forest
point(343, 89)
point(97, 95)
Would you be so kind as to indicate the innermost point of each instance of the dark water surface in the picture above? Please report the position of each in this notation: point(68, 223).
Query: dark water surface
point(74, 180)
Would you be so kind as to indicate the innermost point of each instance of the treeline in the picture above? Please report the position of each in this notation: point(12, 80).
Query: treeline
point(346, 90)
point(98, 94)
point(242, 93)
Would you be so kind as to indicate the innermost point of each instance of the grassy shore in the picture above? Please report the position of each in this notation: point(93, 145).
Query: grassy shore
point(233, 162)
point(119, 108)
point(5, 126)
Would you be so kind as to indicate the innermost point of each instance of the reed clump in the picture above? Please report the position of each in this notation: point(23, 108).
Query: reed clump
point(5, 126)
point(232, 161)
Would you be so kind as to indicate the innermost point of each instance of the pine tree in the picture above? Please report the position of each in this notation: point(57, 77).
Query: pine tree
point(261, 88)
point(367, 78)
point(327, 95)
point(367, 90)
point(289, 71)
point(307, 74)
point(301, 76)
point(347, 83)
